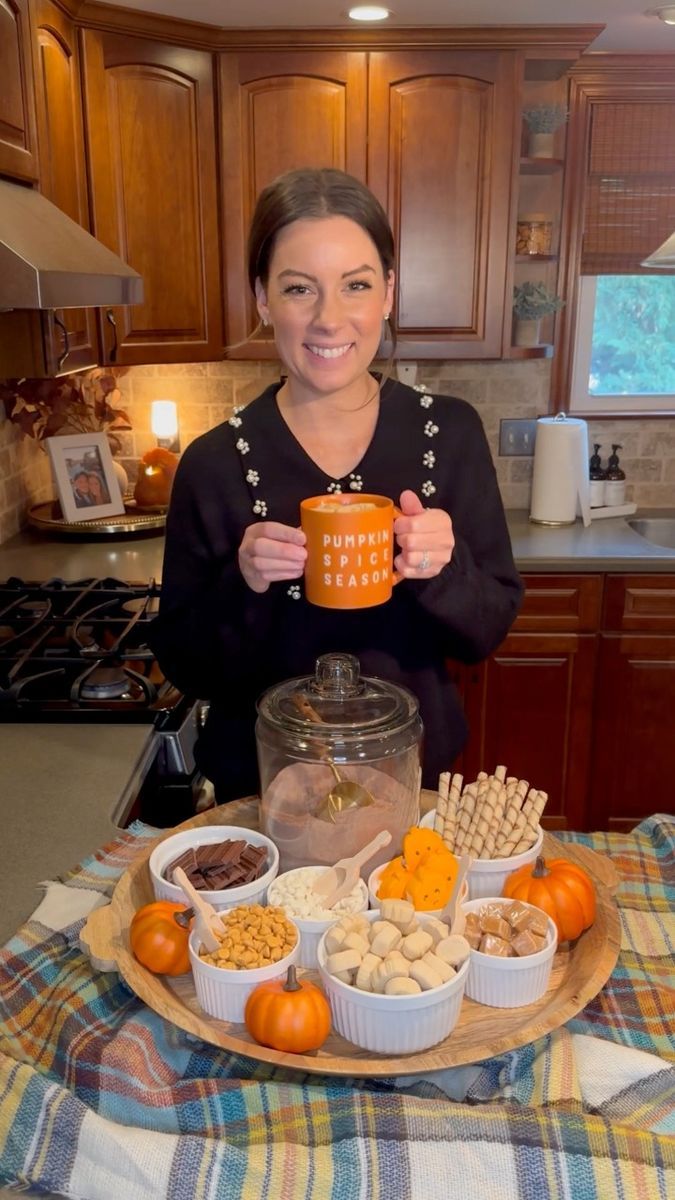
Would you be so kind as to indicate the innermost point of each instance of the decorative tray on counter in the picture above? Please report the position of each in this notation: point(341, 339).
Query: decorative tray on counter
point(47, 517)
point(579, 972)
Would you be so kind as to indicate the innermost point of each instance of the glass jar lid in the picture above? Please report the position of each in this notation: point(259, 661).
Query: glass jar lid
point(344, 703)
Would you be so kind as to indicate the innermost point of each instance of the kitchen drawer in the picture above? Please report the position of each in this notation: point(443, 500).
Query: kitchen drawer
point(564, 603)
point(644, 602)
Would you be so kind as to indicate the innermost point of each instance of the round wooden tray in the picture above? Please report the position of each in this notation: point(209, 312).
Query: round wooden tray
point(579, 972)
point(48, 517)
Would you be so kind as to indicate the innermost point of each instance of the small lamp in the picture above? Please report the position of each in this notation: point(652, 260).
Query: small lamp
point(664, 257)
point(164, 424)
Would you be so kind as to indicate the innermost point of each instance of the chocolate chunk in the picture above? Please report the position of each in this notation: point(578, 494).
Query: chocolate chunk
point(214, 867)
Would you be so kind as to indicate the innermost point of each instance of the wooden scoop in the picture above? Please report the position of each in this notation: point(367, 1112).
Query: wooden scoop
point(204, 911)
point(451, 915)
point(339, 880)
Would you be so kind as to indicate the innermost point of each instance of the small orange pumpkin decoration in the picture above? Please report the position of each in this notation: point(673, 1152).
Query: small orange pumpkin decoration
point(156, 470)
point(561, 889)
point(288, 1014)
point(158, 941)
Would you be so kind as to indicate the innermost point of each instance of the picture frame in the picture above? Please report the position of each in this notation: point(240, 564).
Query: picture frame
point(84, 476)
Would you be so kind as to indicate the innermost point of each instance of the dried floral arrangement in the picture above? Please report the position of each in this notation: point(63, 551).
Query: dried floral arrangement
point(87, 403)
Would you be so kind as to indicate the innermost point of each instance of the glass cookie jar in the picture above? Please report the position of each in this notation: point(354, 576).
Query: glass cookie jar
point(534, 233)
point(339, 759)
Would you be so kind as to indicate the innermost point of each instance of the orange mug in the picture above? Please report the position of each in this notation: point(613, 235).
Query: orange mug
point(350, 549)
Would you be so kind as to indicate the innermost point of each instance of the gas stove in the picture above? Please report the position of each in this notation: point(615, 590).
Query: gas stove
point(76, 652)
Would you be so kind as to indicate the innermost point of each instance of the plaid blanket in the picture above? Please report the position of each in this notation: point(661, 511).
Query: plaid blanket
point(100, 1098)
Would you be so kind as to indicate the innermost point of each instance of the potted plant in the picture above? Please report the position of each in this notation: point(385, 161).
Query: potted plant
point(531, 302)
point(43, 408)
point(542, 121)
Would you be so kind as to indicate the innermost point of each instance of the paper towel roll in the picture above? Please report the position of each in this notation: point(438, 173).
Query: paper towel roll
point(560, 484)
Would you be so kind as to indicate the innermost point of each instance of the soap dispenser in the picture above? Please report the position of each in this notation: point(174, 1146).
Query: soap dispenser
point(597, 476)
point(615, 483)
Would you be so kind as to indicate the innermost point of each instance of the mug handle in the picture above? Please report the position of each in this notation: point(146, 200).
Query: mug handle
point(396, 578)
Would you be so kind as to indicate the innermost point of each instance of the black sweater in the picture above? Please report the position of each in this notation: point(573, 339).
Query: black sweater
point(218, 640)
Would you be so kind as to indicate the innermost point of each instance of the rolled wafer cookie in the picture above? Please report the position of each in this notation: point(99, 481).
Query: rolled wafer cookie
point(532, 825)
point(454, 798)
point(516, 834)
point(464, 820)
point(481, 793)
point(497, 818)
point(485, 825)
point(512, 813)
point(442, 804)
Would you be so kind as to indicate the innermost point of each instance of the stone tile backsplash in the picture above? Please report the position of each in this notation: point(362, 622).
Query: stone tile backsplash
point(206, 392)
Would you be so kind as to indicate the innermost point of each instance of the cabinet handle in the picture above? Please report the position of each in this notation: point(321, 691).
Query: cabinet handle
point(66, 343)
point(110, 318)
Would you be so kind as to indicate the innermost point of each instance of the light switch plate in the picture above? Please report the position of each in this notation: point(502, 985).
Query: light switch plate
point(517, 436)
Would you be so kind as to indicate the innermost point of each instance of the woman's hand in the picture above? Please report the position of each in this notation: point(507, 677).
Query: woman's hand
point(270, 552)
point(425, 537)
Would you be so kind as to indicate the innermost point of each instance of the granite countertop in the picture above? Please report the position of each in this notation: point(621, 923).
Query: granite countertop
point(609, 544)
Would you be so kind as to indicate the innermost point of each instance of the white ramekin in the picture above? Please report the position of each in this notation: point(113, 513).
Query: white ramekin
point(393, 1024)
point(172, 847)
point(488, 875)
point(222, 993)
point(375, 902)
point(510, 982)
point(311, 931)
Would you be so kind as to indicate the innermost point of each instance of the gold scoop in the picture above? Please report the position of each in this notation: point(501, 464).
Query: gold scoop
point(345, 793)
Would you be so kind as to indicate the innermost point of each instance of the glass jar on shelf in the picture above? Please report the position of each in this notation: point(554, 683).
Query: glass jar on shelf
point(534, 234)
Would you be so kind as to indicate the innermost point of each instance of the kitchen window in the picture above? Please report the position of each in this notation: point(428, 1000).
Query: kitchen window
point(624, 351)
point(619, 321)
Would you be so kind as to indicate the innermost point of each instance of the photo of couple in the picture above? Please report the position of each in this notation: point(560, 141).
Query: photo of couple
point(87, 479)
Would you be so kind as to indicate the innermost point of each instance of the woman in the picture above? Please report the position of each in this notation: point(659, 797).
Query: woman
point(233, 619)
point(97, 490)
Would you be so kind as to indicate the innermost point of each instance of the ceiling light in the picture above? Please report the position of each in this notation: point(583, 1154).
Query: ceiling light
point(371, 12)
point(666, 14)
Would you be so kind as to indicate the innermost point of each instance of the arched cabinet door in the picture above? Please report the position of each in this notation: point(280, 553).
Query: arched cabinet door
point(18, 140)
point(151, 149)
point(63, 175)
point(280, 110)
point(440, 159)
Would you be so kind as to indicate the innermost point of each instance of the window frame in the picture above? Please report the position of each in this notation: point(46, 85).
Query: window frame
point(581, 402)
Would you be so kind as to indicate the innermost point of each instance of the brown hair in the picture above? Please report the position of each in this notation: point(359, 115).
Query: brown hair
point(323, 192)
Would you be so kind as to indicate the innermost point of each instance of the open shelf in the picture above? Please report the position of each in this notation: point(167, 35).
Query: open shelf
point(530, 351)
point(541, 166)
point(534, 258)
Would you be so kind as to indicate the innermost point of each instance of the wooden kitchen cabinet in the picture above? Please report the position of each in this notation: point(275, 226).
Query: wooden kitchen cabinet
point(580, 699)
point(151, 149)
point(70, 335)
point(281, 110)
point(440, 160)
point(431, 132)
point(18, 138)
point(632, 769)
point(530, 705)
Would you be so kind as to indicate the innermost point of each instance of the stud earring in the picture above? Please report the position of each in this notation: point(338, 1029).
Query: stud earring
point(387, 316)
point(265, 322)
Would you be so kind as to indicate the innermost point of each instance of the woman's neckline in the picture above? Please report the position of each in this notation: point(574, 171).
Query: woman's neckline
point(300, 449)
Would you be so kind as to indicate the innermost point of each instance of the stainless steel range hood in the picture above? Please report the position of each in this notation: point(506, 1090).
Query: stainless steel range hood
point(48, 261)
